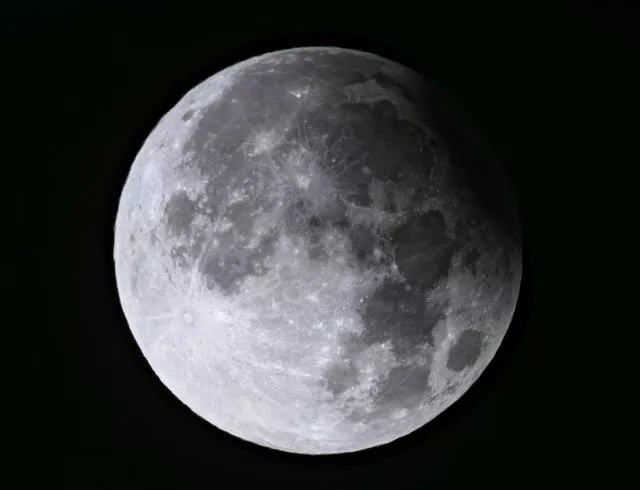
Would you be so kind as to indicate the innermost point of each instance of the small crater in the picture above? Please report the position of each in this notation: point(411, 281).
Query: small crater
point(180, 255)
point(466, 350)
point(188, 115)
point(188, 318)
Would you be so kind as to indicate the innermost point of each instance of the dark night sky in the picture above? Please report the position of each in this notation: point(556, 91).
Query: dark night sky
point(535, 84)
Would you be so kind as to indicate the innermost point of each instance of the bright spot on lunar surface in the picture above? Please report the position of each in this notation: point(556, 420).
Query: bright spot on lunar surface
point(315, 252)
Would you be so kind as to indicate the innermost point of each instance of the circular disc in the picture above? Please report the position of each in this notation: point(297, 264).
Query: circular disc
point(316, 252)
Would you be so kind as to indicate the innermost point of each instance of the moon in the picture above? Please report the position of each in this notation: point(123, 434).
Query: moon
point(316, 252)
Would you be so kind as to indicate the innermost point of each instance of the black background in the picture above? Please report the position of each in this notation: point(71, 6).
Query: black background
point(541, 86)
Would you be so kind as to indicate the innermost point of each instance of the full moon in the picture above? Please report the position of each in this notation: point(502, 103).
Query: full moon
point(316, 252)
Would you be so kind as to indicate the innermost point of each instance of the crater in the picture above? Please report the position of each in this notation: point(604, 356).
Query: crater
point(188, 318)
point(188, 115)
point(180, 255)
point(465, 351)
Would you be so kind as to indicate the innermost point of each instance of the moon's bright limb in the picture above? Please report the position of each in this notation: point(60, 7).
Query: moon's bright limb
point(315, 252)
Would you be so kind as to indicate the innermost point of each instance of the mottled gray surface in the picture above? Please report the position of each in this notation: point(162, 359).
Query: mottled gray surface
point(321, 256)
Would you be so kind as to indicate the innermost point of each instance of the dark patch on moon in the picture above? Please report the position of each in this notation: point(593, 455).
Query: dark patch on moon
point(384, 109)
point(470, 259)
point(432, 224)
point(405, 386)
point(395, 313)
point(408, 385)
point(348, 135)
point(184, 255)
point(424, 249)
point(134, 284)
point(390, 85)
point(389, 144)
point(188, 115)
point(450, 389)
point(232, 262)
point(216, 140)
point(363, 242)
point(465, 351)
point(153, 238)
point(239, 214)
point(426, 228)
point(398, 311)
point(180, 212)
point(301, 219)
point(338, 373)
point(180, 255)
point(340, 377)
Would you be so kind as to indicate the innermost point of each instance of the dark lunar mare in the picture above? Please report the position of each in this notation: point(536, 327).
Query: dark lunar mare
point(398, 312)
point(180, 212)
point(466, 350)
point(346, 135)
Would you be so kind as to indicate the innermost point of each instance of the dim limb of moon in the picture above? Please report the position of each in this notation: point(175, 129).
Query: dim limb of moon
point(315, 252)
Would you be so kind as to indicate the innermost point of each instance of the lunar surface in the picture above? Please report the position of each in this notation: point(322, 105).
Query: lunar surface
point(316, 252)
